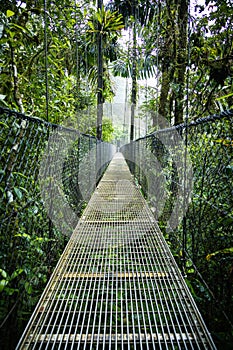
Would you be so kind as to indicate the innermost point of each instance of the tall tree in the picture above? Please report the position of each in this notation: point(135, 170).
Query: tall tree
point(211, 58)
point(136, 14)
point(173, 27)
point(102, 33)
point(22, 76)
point(181, 59)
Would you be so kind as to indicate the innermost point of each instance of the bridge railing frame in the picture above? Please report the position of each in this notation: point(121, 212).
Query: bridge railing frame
point(207, 259)
point(30, 242)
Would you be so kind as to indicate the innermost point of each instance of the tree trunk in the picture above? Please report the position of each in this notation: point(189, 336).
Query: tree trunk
point(168, 54)
point(163, 98)
point(181, 60)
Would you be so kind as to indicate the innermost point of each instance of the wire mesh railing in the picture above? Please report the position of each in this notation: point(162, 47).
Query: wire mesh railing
point(46, 172)
point(197, 193)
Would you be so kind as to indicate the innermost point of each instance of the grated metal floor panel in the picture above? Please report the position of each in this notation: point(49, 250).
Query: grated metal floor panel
point(117, 285)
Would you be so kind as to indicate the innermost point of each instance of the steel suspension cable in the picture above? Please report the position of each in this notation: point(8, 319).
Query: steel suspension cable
point(46, 61)
point(157, 62)
point(184, 238)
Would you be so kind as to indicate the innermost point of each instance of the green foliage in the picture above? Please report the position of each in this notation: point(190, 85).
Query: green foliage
point(208, 260)
point(29, 245)
point(209, 221)
point(107, 23)
point(222, 251)
point(211, 51)
point(70, 59)
point(107, 130)
point(72, 79)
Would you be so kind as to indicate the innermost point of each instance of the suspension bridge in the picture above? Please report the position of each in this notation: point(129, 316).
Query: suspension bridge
point(117, 284)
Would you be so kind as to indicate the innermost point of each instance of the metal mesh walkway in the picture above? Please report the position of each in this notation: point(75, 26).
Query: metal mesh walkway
point(116, 285)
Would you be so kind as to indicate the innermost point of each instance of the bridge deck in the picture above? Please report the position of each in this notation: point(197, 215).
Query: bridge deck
point(116, 285)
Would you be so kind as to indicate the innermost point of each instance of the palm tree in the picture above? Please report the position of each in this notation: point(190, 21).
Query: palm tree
point(135, 13)
point(104, 28)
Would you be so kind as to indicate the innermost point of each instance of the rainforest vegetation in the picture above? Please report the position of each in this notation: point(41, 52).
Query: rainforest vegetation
point(58, 61)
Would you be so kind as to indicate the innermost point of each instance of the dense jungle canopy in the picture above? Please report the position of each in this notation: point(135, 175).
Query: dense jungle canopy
point(50, 50)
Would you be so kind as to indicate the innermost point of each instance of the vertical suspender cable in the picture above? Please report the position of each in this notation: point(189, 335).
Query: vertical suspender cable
point(126, 121)
point(134, 70)
point(46, 62)
point(126, 104)
point(86, 67)
point(47, 118)
point(100, 76)
point(77, 62)
point(157, 64)
point(146, 126)
point(184, 238)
